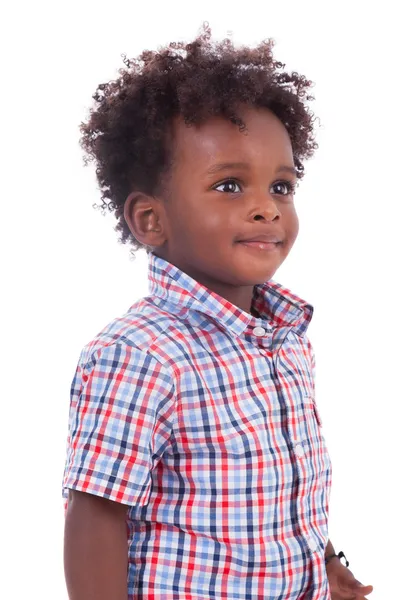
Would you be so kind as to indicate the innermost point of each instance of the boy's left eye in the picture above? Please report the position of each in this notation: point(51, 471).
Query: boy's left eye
point(289, 185)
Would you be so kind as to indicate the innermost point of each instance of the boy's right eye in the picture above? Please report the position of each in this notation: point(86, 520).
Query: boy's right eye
point(228, 185)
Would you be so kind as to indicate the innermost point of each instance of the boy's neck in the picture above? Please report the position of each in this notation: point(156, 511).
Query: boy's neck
point(240, 296)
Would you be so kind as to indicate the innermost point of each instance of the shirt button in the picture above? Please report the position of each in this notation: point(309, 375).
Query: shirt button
point(259, 331)
point(312, 544)
point(299, 450)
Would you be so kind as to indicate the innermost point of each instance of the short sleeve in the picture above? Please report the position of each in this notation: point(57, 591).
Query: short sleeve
point(121, 415)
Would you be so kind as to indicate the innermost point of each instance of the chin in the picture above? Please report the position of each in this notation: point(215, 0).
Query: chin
point(261, 275)
point(256, 279)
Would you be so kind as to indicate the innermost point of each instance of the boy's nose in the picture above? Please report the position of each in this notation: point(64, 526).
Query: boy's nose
point(265, 209)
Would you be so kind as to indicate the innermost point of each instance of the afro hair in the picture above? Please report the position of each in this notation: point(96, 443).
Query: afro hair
point(126, 134)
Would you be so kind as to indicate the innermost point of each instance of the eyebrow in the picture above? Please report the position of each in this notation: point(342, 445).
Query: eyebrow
point(241, 165)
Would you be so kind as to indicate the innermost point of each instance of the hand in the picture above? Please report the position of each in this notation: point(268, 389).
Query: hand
point(342, 583)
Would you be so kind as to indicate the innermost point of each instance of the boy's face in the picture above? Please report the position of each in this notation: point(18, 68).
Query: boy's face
point(227, 187)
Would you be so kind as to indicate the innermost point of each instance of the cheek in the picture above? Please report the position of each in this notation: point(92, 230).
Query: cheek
point(291, 226)
point(202, 219)
point(218, 223)
point(292, 222)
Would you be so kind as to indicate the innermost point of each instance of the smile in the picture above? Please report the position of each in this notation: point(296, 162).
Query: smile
point(261, 245)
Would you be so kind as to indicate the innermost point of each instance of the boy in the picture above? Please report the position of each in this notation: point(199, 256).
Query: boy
point(196, 466)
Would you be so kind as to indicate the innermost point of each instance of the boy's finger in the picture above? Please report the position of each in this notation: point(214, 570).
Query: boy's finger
point(363, 590)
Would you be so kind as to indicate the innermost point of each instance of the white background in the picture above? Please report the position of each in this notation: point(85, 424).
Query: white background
point(66, 276)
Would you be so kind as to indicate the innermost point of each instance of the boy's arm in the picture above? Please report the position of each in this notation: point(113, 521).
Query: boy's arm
point(95, 548)
point(122, 415)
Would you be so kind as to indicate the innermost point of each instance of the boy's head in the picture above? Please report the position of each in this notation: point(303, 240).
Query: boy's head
point(198, 149)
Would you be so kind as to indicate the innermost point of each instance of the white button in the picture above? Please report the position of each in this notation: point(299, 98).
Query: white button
point(299, 450)
point(312, 544)
point(259, 331)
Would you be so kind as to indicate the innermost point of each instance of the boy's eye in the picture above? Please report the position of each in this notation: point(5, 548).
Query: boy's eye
point(282, 188)
point(229, 186)
point(287, 187)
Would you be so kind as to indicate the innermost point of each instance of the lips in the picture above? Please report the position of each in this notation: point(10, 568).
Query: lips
point(262, 241)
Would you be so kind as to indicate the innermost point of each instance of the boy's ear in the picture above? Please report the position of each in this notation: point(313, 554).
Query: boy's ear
point(143, 215)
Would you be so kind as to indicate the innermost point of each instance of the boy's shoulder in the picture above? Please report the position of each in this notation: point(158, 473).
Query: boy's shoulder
point(148, 327)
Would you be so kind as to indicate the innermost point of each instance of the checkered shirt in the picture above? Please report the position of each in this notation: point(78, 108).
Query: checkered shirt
point(202, 419)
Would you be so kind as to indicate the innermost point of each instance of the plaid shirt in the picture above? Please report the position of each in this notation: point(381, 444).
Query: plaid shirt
point(202, 419)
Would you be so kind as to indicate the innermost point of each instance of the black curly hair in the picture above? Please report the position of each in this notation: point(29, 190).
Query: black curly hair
point(126, 134)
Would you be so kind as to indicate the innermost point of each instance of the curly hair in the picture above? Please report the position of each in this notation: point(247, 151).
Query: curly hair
point(126, 134)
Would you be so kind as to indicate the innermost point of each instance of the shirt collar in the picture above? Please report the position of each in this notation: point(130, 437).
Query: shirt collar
point(275, 305)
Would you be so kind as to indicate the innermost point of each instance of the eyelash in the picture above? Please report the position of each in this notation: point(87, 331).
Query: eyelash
point(290, 185)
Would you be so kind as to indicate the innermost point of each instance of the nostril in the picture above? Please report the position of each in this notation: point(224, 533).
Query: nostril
point(264, 218)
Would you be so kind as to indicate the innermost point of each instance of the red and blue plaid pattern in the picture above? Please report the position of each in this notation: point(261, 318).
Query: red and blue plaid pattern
point(206, 426)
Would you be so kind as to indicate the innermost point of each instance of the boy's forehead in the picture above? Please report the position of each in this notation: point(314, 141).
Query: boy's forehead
point(217, 140)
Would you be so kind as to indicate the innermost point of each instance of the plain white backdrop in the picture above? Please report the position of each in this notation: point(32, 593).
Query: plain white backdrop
point(65, 275)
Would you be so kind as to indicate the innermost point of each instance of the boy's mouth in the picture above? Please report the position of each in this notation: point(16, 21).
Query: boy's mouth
point(261, 245)
point(262, 242)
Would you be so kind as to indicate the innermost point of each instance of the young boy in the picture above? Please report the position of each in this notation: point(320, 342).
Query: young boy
point(196, 465)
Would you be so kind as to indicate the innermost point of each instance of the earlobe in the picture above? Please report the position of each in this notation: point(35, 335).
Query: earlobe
point(143, 216)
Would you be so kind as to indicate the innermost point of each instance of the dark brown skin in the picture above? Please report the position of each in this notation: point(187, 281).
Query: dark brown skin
point(95, 548)
point(197, 227)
